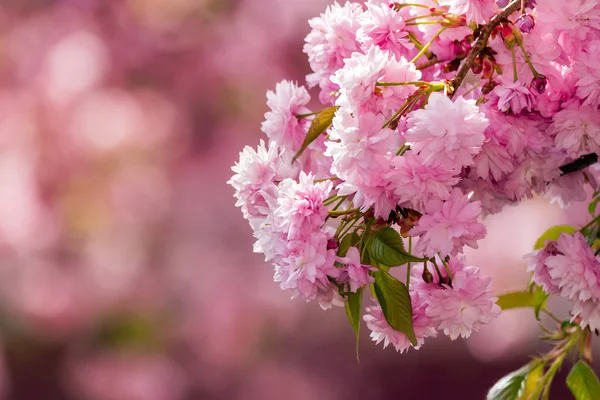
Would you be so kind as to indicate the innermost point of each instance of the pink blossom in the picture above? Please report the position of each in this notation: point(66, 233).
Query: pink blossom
point(281, 124)
point(478, 11)
point(354, 273)
point(381, 331)
point(384, 27)
point(577, 130)
point(255, 171)
point(447, 226)
point(574, 267)
point(536, 263)
point(357, 81)
point(464, 305)
point(415, 182)
point(301, 210)
point(306, 267)
point(513, 96)
point(331, 40)
point(589, 312)
point(567, 189)
point(446, 130)
point(493, 162)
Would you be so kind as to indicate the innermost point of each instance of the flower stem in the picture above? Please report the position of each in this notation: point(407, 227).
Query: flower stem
point(514, 62)
point(300, 116)
point(424, 49)
point(408, 265)
point(417, 83)
point(528, 60)
point(337, 213)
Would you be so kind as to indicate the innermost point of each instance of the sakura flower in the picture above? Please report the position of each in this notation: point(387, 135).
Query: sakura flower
point(331, 40)
point(577, 130)
point(536, 263)
point(513, 96)
point(478, 11)
point(462, 307)
point(381, 331)
point(447, 226)
point(451, 132)
point(301, 209)
point(384, 27)
point(357, 81)
point(415, 182)
point(589, 314)
point(574, 268)
point(281, 124)
point(355, 274)
point(307, 266)
point(254, 172)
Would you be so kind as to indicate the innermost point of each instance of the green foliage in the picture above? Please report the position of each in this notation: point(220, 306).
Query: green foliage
point(353, 308)
point(387, 248)
point(395, 302)
point(536, 299)
point(583, 382)
point(348, 241)
point(511, 386)
point(552, 234)
point(321, 122)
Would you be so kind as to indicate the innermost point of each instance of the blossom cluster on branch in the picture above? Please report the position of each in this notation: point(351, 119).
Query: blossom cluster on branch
point(434, 115)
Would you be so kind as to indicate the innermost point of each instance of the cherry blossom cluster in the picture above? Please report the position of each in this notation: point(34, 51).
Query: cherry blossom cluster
point(434, 114)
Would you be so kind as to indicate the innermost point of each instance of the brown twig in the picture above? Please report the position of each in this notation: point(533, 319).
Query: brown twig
point(432, 61)
point(481, 43)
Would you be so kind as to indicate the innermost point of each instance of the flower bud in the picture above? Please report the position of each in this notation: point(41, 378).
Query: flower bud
point(488, 68)
point(510, 36)
point(427, 276)
point(525, 23)
point(477, 66)
point(539, 83)
point(332, 244)
point(488, 87)
point(453, 20)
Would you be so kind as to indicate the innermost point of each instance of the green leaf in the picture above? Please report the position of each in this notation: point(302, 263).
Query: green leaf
point(387, 248)
point(536, 299)
point(592, 206)
point(395, 303)
point(533, 387)
point(321, 122)
point(553, 234)
point(347, 242)
point(353, 312)
point(511, 386)
point(583, 382)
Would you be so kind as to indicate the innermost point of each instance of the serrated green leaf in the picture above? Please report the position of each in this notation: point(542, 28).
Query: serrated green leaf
point(511, 386)
point(387, 248)
point(395, 303)
point(583, 382)
point(533, 387)
point(552, 234)
point(348, 241)
point(353, 308)
point(536, 299)
point(318, 125)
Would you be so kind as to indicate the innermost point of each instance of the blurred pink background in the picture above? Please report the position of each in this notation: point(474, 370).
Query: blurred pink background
point(126, 272)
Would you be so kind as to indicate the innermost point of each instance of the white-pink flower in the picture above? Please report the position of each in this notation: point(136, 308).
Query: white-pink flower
point(354, 274)
point(513, 96)
point(589, 312)
point(384, 27)
point(331, 40)
point(462, 307)
point(306, 267)
point(381, 331)
point(281, 124)
point(415, 182)
point(479, 11)
point(357, 81)
point(446, 227)
point(577, 130)
point(301, 210)
point(448, 131)
point(574, 268)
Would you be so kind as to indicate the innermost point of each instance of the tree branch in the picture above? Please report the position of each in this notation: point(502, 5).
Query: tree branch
point(579, 164)
point(481, 43)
